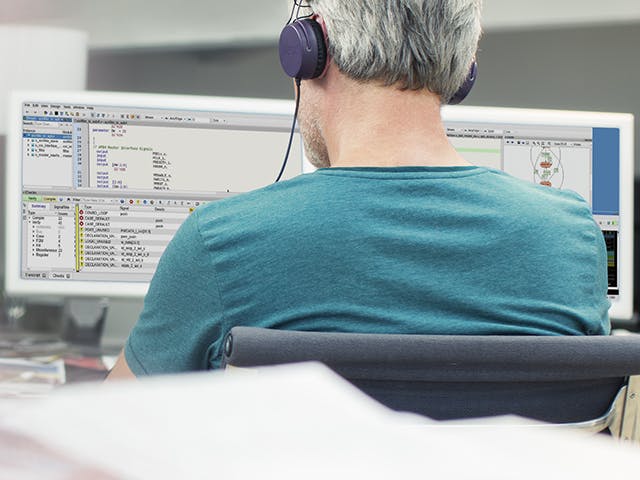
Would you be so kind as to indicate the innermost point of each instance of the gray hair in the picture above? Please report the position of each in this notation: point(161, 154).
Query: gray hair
point(415, 44)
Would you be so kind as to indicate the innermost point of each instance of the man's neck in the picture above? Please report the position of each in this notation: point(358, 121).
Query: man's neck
point(376, 126)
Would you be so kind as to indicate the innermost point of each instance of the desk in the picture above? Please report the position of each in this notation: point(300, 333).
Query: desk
point(76, 363)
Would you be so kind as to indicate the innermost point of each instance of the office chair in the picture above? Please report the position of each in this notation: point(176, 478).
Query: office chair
point(591, 383)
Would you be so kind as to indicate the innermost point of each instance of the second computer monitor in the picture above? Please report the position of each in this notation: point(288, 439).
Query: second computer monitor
point(588, 153)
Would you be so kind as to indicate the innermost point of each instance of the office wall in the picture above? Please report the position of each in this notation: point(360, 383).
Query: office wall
point(246, 72)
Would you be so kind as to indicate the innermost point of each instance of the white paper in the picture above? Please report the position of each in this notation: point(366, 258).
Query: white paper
point(291, 423)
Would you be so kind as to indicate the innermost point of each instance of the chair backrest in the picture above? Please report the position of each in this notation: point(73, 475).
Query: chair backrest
point(554, 379)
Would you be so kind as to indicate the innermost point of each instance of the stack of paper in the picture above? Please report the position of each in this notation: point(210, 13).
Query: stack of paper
point(22, 378)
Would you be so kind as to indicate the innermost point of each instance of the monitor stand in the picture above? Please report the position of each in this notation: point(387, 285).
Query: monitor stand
point(49, 326)
point(122, 315)
point(30, 329)
point(84, 321)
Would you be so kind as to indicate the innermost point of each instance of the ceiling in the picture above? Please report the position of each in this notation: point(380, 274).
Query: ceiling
point(162, 24)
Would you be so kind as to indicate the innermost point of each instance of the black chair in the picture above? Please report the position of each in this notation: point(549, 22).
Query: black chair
point(591, 383)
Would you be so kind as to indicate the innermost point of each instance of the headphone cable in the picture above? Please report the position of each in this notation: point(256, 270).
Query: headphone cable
point(293, 127)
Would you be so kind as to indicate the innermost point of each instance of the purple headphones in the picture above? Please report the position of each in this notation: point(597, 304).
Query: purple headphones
point(303, 55)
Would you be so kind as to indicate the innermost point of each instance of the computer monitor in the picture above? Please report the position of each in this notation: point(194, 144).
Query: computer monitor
point(589, 153)
point(98, 183)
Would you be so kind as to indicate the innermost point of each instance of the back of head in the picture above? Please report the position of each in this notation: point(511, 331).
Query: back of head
point(414, 44)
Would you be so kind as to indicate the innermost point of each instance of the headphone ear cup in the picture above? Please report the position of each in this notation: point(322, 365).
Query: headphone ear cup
point(466, 87)
point(321, 45)
point(303, 51)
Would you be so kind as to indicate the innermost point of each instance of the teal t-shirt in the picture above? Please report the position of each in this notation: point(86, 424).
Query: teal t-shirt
point(424, 250)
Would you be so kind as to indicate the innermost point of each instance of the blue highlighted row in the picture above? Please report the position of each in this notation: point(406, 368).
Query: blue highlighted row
point(47, 119)
point(50, 136)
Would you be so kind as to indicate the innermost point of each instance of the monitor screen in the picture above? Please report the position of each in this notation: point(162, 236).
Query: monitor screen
point(588, 153)
point(99, 183)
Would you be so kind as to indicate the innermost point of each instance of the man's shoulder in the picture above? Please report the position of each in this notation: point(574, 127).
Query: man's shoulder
point(531, 197)
point(536, 218)
point(270, 193)
point(263, 205)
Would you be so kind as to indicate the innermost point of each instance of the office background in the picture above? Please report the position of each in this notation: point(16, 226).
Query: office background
point(578, 67)
point(553, 62)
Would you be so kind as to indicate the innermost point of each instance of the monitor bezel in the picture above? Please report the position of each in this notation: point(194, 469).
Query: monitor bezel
point(19, 287)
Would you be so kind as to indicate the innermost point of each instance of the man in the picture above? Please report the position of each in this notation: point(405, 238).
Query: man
point(395, 232)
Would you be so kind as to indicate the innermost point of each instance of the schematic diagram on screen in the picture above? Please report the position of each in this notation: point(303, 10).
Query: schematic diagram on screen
point(547, 166)
point(552, 164)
